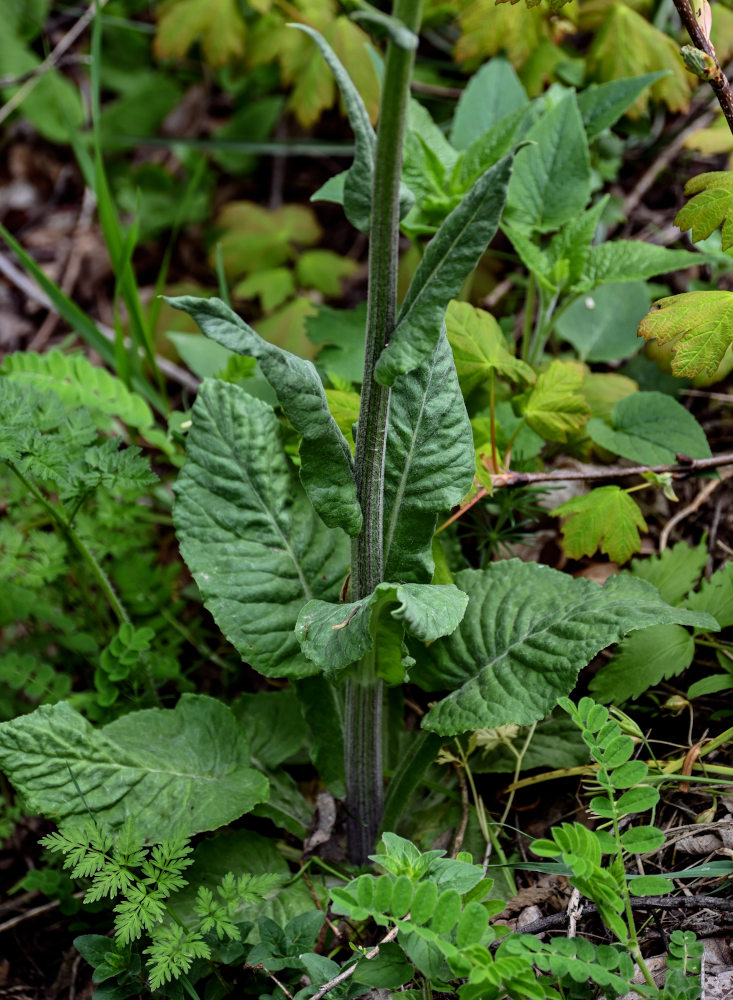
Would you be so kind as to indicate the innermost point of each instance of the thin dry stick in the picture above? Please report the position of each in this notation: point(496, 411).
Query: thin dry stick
point(50, 61)
point(348, 973)
point(461, 829)
point(574, 911)
point(28, 915)
point(702, 497)
point(679, 469)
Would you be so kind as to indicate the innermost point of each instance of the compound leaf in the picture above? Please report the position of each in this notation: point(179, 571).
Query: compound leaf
point(175, 771)
point(248, 533)
point(712, 206)
point(527, 631)
point(607, 518)
point(326, 463)
point(650, 428)
point(698, 324)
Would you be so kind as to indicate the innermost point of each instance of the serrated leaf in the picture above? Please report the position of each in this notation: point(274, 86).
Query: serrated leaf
point(650, 428)
point(272, 287)
point(429, 462)
point(698, 324)
point(711, 206)
point(492, 93)
point(643, 660)
point(674, 571)
point(254, 238)
point(218, 25)
point(479, 348)
point(601, 105)
point(175, 771)
point(326, 463)
point(333, 636)
point(607, 518)
point(556, 406)
point(573, 243)
point(449, 258)
point(488, 148)
point(526, 633)
point(715, 596)
point(248, 533)
point(602, 324)
point(551, 180)
point(634, 260)
point(325, 271)
point(488, 28)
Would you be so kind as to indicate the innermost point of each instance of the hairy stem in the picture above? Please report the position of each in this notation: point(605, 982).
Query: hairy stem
point(364, 690)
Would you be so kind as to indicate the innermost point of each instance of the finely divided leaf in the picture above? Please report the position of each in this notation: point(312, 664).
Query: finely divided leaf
point(526, 633)
point(429, 462)
point(480, 348)
point(607, 518)
point(326, 463)
point(650, 428)
point(248, 533)
point(334, 636)
point(711, 207)
point(643, 660)
point(556, 406)
point(174, 771)
point(700, 324)
point(449, 258)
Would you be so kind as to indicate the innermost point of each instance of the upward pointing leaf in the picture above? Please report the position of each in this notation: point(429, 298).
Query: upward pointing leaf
point(699, 324)
point(248, 533)
point(711, 207)
point(449, 258)
point(527, 631)
point(601, 105)
point(176, 771)
point(479, 348)
point(491, 94)
point(326, 463)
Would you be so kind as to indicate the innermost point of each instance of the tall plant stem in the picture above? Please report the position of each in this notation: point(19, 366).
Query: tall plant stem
point(364, 689)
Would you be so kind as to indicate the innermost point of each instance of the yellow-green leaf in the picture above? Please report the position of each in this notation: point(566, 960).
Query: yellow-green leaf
point(698, 324)
point(607, 519)
point(344, 407)
point(479, 348)
point(711, 206)
point(556, 406)
point(487, 29)
point(217, 24)
point(256, 239)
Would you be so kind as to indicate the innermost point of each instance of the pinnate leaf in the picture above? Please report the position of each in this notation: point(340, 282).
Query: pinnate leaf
point(698, 324)
point(607, 518)
point(526, 632)
point(711, 206)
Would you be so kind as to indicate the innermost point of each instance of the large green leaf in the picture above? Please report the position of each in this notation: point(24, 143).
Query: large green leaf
point(607, 518)
point(449, 258)
point(526, 633)
point(556, 405)
point(634, 260)
point(429, 462)
point(480, 348)
point(181, 770)
point(601, 105)
point(698, 324)
point(250, 537)
point(643, 660)
point(326, 463)
point(602, 325)
point(651, 428)
point(336, 635)
point(551, 180)
point(491, 94)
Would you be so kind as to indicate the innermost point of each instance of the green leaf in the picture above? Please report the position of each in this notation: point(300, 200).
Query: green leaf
point(334, 636)
point(273, 723)
point(449, 258)
point(527, 631)
point(387, 970)
point(556, 743)
point(479, 348)
point(650, 428)
point(556, 406)
point(650, 885)
point(607, 518)
point(218, 26)
point(488, 148)
point(175, 771)
point(674, 572)
point(712, 206)
point(629, 773)
point(429, 462)
point(642, 661)
point(325, 271)
point(491, 94)
point(601, 105)
point(634, 260)
point(326, 462)
point(320, 700)
point(602, 325)
point(551, 181)
point(272, 286)
point(698, 324)
point(637, 800)
point(642, 839)
point(248, 533)
point(573, 244)
point(715, 596)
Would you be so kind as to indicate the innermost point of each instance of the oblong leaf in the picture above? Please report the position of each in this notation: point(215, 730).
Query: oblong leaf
point(248, 533)
point(449, 258)
point(175, 771)
point(527, 631)
point(642, 839)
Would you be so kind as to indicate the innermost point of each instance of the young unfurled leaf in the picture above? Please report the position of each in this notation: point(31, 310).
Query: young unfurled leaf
point(607, 518)
point(556, 406)
point(711, 206)
point(218, 25)
point(479, 348)
point(698, 324)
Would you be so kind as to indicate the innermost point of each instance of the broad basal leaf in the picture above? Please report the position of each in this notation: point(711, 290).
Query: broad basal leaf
point(607, 518)
point(674, 571)
point(526, 633)
point(491, 94)
point(429, 462)
point(218, 25)
point(699, 324)
point(556, 406)
point(634, 260)
point(711, 207)
point(643, 660)
point(601, 105)
point(479, 348)
point(248, 533)
point(175, 771)
point(334, 636)
point(449, 258)
point(326, 463)
point(650, 428)
point(551, 180)
point(601, 325)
